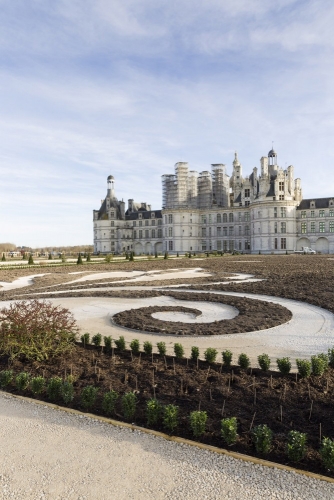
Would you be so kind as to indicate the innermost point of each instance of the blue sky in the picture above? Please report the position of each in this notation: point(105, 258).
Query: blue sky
point(97, 87)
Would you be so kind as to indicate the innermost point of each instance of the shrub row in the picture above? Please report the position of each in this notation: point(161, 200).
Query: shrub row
point(317, 366)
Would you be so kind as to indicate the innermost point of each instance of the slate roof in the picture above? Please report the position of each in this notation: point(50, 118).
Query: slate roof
point(145, 214)
point(319, 203)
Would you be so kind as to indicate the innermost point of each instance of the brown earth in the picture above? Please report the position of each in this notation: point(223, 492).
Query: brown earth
point(254, 397)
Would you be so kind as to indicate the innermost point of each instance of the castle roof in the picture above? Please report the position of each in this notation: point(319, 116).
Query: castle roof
point(318, 202)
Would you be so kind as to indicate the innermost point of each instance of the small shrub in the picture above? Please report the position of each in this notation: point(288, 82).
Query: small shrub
point(53, 388)
point(296, 446)
point(262, 438)
point(109, 402)
point(325, 359)
point(50, 256)
point(79, 261)
point(179, 351)
point(3, 258)
point(6, 376)
point(97, 339)
point(107, 342)
point(166, 255)
point(153, 411)
point(284, 365)
point(210, 355)
point(243, 361)
point(148, 348)
point(229, 430)
point(161, 348)
point(37, 384)
point(120, 343)
point(85, 339)
point(22, 381)
point(170, 417)
point(264, 362)
point(331, 357)
point(227, 358)
point(88, 396)
point(198, 422)
point(129, 401)
point(88, 257)
point(194, 353)
point(319, 364)
point(67, 392)
point(156, 255)
point(135, 346)
point(327, 453)
point(30, 260)
point(304, 367)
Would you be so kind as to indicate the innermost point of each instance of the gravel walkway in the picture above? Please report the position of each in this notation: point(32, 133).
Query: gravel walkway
point(49, 454)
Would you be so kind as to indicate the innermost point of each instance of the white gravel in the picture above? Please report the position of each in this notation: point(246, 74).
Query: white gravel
point(52, 455)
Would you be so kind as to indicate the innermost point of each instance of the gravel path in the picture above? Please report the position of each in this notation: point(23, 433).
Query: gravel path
point(49, 454)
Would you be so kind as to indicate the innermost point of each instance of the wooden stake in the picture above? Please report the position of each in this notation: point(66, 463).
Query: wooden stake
point(98, 375)
point(223, 407)
point(221, 367)
point(139, 359)
point(197, 363)
point(320, 432)
point(252, 422)
point(309, 391)
point(255, 395)
point(206, 378)
point(327, 385)
point(232, 376)
point(199, 406)
point(311, 410)
point(229, 384)
point(271, 381)
point(153, 375)
point(131, 355)
point(174, 366)
point(281, 407)
point(152, 358)
point(296, 376)
point(136, 383)
point(165, 362)
point(210, 394)
point(181, 386)
point(187, 361)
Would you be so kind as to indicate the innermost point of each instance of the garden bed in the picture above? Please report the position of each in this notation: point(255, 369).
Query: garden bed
point(253, 397)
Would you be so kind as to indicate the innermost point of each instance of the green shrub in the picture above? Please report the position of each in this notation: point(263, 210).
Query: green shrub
point(3, 258)
point(243, 361)
point(229, 430)
point(79, 261)
point(120, 343)
point(6, 376)
point(327, 453)
point(325, 359)
point(22, 381)
point(37, 384)
point(210, 355)
point(53, 388)
point(161, 348)
point(179, 351)
point(262, 438)
point(153, 411)
point(97, 339)
point(194, 353)
point(304, 367)
point(107, 342)
point(170, 417)
point(85, 339)
point(88, 396)
point(227, 358)
point(198, 422)
point(88, 257)
point(166, 255)
point(319, 364)
point(30, 260)
point(129, 401)
point(135, 346)
point(284, 365)
point(264, 362)
point(67, 392)
point(296, 446)
point(331, 357)
point(50, 256)
point(109, 402)
point(148, 348)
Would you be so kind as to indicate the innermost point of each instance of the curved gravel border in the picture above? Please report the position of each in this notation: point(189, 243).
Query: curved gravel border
point(104, 461)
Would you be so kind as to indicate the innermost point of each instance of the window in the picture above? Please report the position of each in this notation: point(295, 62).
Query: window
point(312, 227)
point(231, 245)
point(219, 218)
point(276, 243)
point(281, 185)
point(283, 243)
point(275, 228)
point(147, 233)
point(210, 218)
point(112, 223)
point(230, 217)
point(140, 233)
point(112, 214)
point(247, 193)
point(321, 227)
point(275, 212)
point(225, 245)
point(203, 219)
point(219, 245)
point(166, 232)
point(170, 245)
point(312, 213)
point(303, 227)
point(303, 214)
point(159, 222)
point(140, 223)
point(203, 232)
point(170, 232)
point(146, 223)
point(246, 230)
point(210, 232)
point(240, 231)
point(219, 232)
point(153, 222)
point(240, 245)
point(165, 219)
point(159, 233)
point(247, 245)
point(331, 213)
point(224, 231)
point(331, 227)
point(281, 197)
point(283, 212)
point(224, 217)
point(134, 235)
point(283, 227)
point(170, 219)
point(134, 223)
point(230, 230)
point(203, 245)
point(247, 217)
point(321, 213)
point(152, 215)
point(140, 216)
point(247, 203)
point(239, 216)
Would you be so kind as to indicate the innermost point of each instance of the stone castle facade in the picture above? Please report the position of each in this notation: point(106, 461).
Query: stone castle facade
point(212, 211)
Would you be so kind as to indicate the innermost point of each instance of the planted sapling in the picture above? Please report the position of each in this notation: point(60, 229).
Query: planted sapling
point(227, 358)
point(88, 396)
point(22, 381)
point(109, 402)
point(327, 453)
point(170, 417)
point(179, 351)
point(264, 362)
point(296, 446)
point(243, 361)
point(198, 422)
point(37, 384)
point(129, 401)
point(262, 438)
point(6, 376)
point(107, 343)
point(153, 411)
point(284, 365)
point(120, 343)
point(210, 355)
point(67, 392)
point(148, 348)
point(319, 364)
point(194, 353)
point(161, 348)
point(229, 430)
point(304, 367)
point(135, 346)
point(53, 388)
point(85, 339)
point(97, 339)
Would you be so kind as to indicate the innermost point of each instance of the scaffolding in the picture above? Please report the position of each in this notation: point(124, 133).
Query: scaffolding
point(169, 191)
point(204, 190)
point(181, 174)
point(193, 189)
point(220, 185)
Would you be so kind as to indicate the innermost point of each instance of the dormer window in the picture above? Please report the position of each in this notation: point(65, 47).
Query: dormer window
point(312, 204)
point(331, 203)
point(140, 216)
point(152, 215)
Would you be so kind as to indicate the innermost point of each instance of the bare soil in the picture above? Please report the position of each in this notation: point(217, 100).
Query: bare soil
point(254, 397)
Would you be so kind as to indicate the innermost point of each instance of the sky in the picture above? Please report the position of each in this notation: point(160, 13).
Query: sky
point(90, 88)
